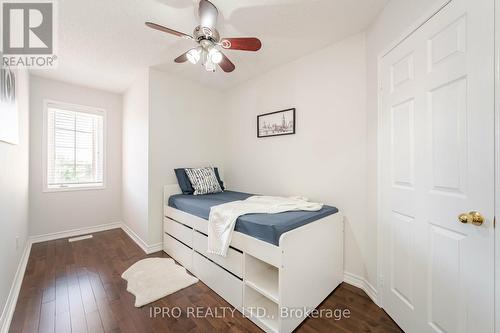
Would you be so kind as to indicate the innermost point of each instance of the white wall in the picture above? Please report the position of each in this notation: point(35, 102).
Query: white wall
point(396, 18)
point(14, 163)
point(326, 159)
point(135, 156)
point(168, 122)
point(185, 130)
point(60, 211)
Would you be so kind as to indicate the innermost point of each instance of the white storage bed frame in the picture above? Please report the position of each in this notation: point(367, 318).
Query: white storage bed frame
point(298, 274)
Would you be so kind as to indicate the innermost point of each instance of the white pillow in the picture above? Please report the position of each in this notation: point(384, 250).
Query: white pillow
point(203, 180)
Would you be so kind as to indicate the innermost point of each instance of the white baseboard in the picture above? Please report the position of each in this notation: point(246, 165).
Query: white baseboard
point(75, 232)
point(10, 305)
point(155, 248)
point(363, 284)
point(103, 227)
point(148, 249)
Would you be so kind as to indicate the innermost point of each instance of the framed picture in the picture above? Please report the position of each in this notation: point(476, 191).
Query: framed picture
point(276, 123)
point(9, 119)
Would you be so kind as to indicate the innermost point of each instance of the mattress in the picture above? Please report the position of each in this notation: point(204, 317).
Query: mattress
point(266, 227)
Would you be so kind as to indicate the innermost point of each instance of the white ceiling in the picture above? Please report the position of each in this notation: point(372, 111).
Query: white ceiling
point(104, 43)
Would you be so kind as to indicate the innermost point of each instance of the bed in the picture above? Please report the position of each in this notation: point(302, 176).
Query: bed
point(276, 264)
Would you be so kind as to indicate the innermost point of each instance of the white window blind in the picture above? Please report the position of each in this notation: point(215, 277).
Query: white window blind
point(75, 148)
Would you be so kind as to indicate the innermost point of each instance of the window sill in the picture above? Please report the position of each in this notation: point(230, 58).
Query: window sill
point(73, 188)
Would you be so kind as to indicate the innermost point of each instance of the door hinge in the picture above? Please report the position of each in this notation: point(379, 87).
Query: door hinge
point(494, 222)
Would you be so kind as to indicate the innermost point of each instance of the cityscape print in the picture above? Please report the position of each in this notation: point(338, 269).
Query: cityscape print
point(276, 123)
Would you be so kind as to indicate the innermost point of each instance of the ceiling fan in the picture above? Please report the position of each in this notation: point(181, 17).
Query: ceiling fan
point(209, 41)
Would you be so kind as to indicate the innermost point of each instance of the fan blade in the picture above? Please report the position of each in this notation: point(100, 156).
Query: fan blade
point(208, 14)
point(182, 58)
point(243, 44)
point(168, 30)
point(226, 64)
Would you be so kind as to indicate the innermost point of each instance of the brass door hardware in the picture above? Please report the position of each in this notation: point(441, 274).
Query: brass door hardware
point(471, 217)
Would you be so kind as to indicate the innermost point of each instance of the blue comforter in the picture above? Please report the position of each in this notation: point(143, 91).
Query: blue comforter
point(266, 227)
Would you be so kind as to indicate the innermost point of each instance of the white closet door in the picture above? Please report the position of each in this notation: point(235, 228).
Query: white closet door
point(437, 154)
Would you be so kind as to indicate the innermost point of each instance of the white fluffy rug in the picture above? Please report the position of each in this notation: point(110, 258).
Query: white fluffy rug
point(153, 278)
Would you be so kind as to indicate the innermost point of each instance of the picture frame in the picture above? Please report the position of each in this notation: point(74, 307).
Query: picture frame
point(9, 113)
point(276, 123)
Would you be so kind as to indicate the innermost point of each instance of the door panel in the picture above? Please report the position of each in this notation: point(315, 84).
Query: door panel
point(402, 269)
point(447, 108)
point(437, 161)
point(448, 45)
point(403, 143)
point(446, 303)
point(401, 72)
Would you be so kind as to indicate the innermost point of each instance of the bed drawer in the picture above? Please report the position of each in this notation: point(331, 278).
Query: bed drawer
point(223, 283)
point(201, 225)
point(179, 231)
point(180, 252)
point(233, 262)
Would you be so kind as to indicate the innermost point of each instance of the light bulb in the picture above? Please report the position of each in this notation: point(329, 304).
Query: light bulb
point(215, 56)
point(209, 65)
point(193, 56)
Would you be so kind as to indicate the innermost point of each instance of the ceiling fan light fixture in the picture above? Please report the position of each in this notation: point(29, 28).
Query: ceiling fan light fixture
point(194, 56)
point(215, 56)
point(209, 42)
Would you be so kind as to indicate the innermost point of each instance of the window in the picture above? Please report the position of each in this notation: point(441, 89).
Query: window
point(74, 138)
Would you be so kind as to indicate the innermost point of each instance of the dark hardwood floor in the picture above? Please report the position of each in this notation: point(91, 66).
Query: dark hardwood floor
point(77, 287)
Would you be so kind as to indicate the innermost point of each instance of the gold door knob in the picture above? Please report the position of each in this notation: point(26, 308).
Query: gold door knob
point(463, 218)
point(472, 217)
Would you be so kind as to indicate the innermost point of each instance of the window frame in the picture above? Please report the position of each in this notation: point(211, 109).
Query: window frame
point(45, 159)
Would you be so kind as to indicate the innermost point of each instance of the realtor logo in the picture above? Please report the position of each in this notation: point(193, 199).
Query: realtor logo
point(28, 29)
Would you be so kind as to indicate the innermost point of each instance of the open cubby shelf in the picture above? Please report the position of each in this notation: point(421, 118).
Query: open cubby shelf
point(261, 292)
point(261, 310)
point(262, 277)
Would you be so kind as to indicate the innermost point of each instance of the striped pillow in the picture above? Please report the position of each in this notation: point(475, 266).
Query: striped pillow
point(203, 180)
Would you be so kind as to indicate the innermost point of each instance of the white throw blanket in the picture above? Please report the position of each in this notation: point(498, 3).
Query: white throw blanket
point(223, 217)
